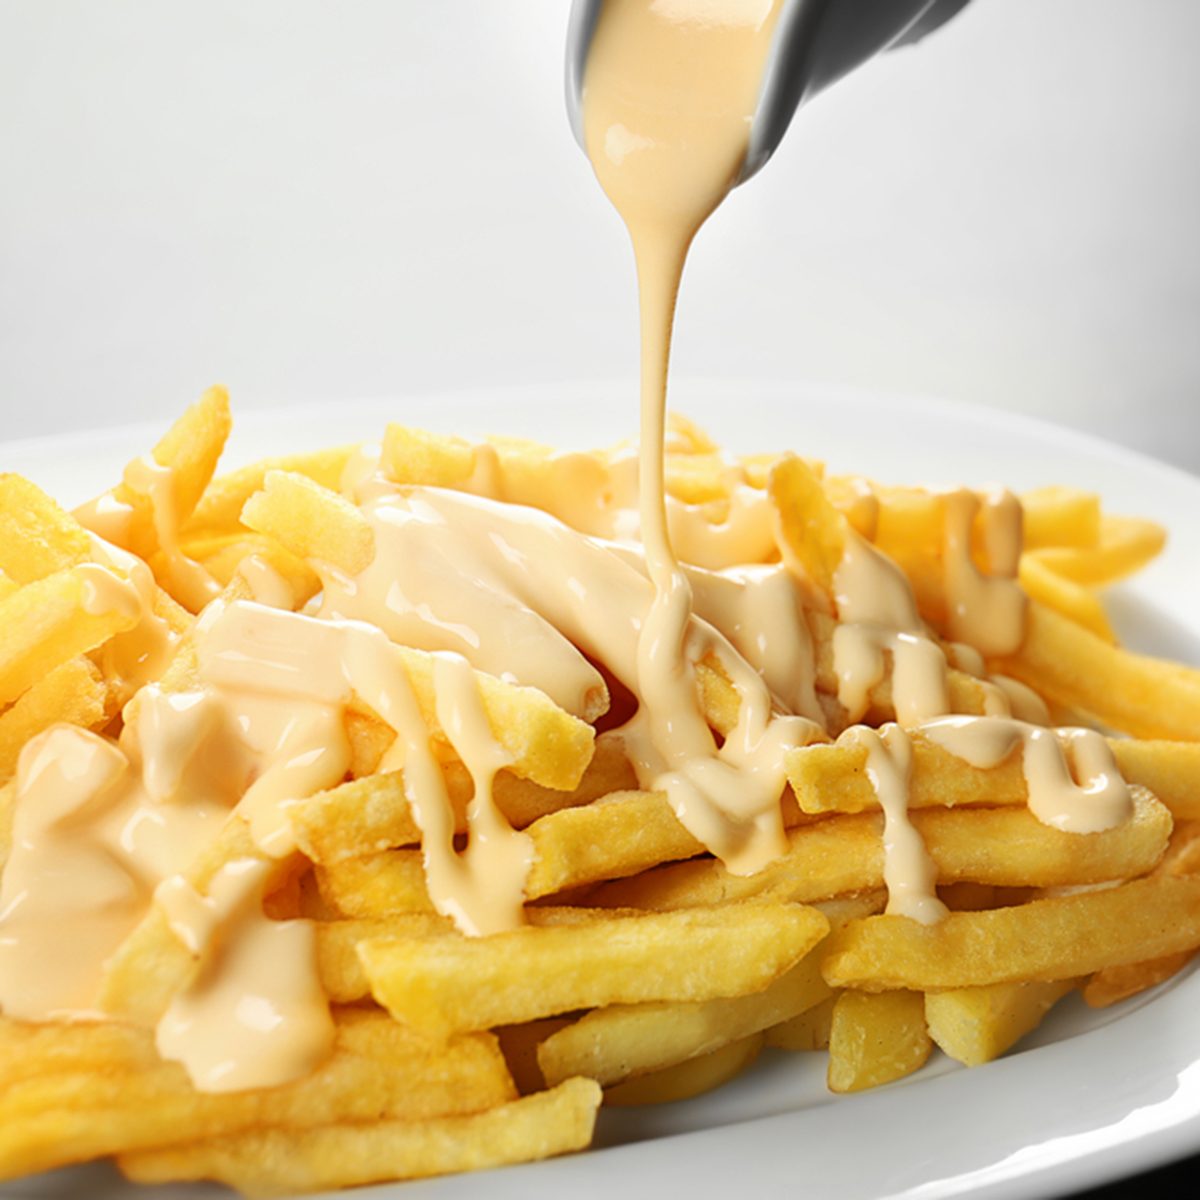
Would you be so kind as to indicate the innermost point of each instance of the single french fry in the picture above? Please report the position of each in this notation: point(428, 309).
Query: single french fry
point(1003, 847)
point(833, 778)
point(50, 621)
point(1126, 544)
point(376, 885)
point(876, 1039)
point(812, 531)
point(74, 693)
point(313, 522)
point(1114, 984)
point(1171, 770)
point(1056, 938)
point(1065, 596)
point(699, 478)
point(545, 743)
point(276, 1162)
point(220, 507)
point(444, 984)
point(129, 1100)
point(693, 1077)
point(621, 834)
point(1060, 516)
point(39, 537)
point(415, 456)
point(1146, 697)
point(190, 449)
point(807, 1030)
point(337, 940)
point(626, 1040)
point(976, 1024)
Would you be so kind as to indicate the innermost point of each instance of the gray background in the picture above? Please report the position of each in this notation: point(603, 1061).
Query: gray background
point(308, 199)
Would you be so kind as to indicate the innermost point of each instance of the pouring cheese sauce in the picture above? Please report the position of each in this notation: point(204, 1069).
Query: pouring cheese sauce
point(611, 582)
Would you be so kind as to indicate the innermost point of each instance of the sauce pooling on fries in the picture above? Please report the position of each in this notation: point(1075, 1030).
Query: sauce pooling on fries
point(584, 580)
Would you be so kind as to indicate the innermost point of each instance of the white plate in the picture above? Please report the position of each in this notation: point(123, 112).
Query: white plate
point(1091, 1097)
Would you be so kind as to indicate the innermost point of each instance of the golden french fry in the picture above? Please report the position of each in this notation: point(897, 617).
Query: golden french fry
point(220, 507)
point(192, 447)
point(812, 530)
point(39, 537)
point(313, 522)
point(1005, 847)
point(1060, 516)
point(1057, 938)
point(807, 1030)
point(833, 778)
point(546, 744)
point(1171, 770)
point(376, 885)
point(1114, 984)
point(52, 620)
point(693, 1077)
point(190, 450)
point(624, 1041)
point(876, 1039)
point(276, 1162)
point(443, 984)
point(415, 456)
point(618, 835)
point(74, 693)
point(1126, 544)
point(976, 1024)
point(1146, 697)
point(83, 1105)
point(1065, 596)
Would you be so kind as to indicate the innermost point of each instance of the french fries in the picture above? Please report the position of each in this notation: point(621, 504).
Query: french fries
point(644, 970)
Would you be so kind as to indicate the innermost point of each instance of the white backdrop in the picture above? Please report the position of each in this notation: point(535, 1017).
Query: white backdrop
point(308, 199)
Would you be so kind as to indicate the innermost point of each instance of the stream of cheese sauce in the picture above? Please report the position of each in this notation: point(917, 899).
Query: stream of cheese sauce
point(581, 579)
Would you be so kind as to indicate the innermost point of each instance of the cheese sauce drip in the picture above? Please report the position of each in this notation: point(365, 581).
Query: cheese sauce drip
point(908, 871)
point(986, 610)
point(115, 520)
point(1073, 780)
point(669, 92)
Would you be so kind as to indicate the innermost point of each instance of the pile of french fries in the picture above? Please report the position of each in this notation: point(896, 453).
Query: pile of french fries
point(646, 972)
